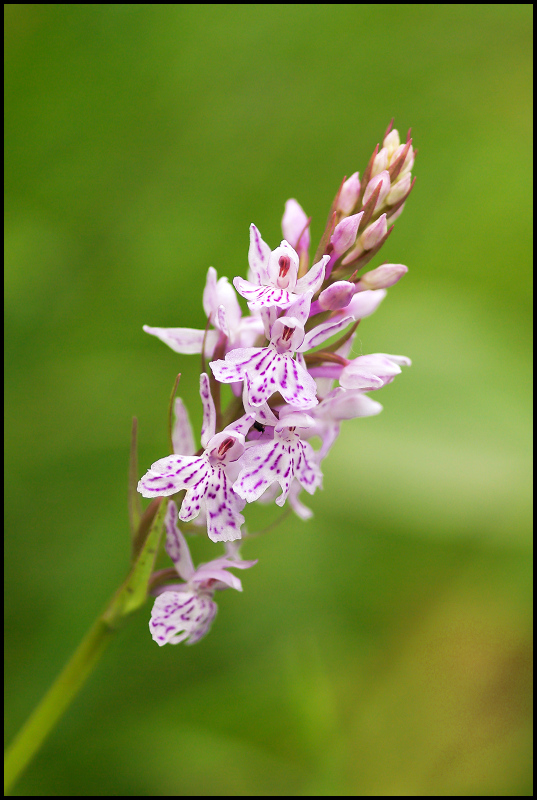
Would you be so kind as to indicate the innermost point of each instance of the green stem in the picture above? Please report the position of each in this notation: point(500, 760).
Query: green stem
point(57, 699)
point(130, 596)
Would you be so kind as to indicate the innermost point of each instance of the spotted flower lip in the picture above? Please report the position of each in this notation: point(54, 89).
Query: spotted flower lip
point(184, 612)
point(205, 477)
point(273, 276)
point(281, 460)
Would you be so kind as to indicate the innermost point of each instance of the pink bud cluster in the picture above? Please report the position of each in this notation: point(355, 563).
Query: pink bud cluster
point(282, 361)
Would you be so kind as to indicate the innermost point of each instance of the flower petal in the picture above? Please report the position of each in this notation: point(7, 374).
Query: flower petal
point(185, 340)
point(264, 464)
point(210, 299)
point(295, 384)
point(263, 296)
point(210, 573)
point(298, 507)
point(301, 308)
point(224, 519)
point(324, 331)
point(295, 226)
point(193, 501)
point(365, 303)
point(176, 545)
point(241, 425)
point(182, 436)
point(168, 475)
point(208, 427)
point(307, 471)
point(312, 280)
point(263, 413)
point(177, 616)
point(258, 257)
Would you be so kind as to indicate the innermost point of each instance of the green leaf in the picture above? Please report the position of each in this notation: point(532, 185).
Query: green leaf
point(133, 593)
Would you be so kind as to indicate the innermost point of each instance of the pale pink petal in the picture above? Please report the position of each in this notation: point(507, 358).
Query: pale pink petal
point(342, 404)
point(263, 296)
point(258, 256)
point(402, 361)
point(182, 436)
point(194, 499)
point(221, 321)
point(312, 280)
point(242, 355)
point(365, 303)
point(382, 277)
point(295, 385)
point(226, 372)
point(224, 448)
point(209, 573)
point(324, 331)
point(291, 418)
point(210, 299)
point(361, 379)
point(262, 414)
point(171, 474)
point(307, 471)
point(262, 381)
point(224, 519)
point(242, 425)
point(264, 464)
point(247, 332)
point(176, 545)
point(225, 296)
point(177, 616)
point(382, 178)
point(300, 308)
point(298, 507)
point(268, 317)
point(185, 340)
point(294, 223)
point(369, 372)
point(208, 427)
point(287, 334)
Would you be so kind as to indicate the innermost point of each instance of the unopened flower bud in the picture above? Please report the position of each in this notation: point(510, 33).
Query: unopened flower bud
point(408, 162)
point(391, 142)
point(295, 226)
point(399, 190)
point(338, 295)
point(382, 277)
point(380, 163)
point(345, 232)
point(383, 178)
point(349, 194)
point(374, 233)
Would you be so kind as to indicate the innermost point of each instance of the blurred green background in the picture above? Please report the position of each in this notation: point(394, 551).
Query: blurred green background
point(382, 648)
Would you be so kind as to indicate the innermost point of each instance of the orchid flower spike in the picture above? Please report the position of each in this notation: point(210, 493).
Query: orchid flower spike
point(282, 368)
